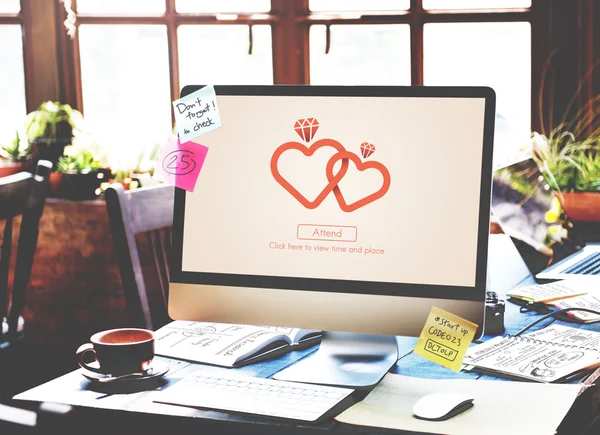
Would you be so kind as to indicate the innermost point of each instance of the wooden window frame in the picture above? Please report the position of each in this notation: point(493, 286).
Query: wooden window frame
point(171, 19)
point(290, 21)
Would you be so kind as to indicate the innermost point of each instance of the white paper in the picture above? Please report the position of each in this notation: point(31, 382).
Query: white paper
point(516, 408)
point(552, 291)
point(567, 336)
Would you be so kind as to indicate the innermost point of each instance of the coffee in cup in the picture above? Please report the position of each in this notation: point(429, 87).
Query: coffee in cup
point(119, 351)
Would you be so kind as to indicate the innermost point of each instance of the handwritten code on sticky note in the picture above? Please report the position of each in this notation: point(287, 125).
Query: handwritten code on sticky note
point(197, 113)
point(445, 338)
point(180, 163)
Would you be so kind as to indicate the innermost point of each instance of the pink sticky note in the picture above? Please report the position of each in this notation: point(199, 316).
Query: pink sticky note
point(180, 163)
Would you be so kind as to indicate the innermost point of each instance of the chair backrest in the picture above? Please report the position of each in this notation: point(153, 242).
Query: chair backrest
point(147, 211)
point(22, 194)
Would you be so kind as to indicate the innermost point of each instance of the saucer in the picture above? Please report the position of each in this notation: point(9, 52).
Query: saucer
point(157, 370)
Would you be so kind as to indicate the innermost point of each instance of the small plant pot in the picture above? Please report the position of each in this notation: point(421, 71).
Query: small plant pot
point(9, 168)
point(581, 206)
point(55, 181)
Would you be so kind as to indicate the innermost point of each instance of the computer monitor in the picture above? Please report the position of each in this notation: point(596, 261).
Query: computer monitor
point(343, 209)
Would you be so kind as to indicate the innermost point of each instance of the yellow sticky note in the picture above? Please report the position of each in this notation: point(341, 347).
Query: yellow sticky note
point(445, 338)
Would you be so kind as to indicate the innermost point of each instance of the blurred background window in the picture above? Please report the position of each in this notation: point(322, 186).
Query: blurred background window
point(486, 54)
point(125, 85)
point(208, 6)
point(132, 57)
point(12, 73)
point(120, 7)
point(230, 45)
point(476, 4)
point(10, 6)
point(358, 5)
point(349, 45)
point(360, 55)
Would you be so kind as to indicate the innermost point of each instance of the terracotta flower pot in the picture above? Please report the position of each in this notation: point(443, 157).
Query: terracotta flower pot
point(581, 206)
point(55, 181)
point(9, 168)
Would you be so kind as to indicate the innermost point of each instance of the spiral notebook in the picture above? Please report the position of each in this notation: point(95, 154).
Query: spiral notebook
point(554, 354)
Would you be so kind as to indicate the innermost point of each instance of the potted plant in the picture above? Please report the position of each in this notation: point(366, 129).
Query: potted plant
point(50, 128)
point(571, 168)
point(78, 174)
point(15, 156)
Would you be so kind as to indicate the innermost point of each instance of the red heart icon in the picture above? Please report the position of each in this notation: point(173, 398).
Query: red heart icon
point(361, 166)
point(333, 179)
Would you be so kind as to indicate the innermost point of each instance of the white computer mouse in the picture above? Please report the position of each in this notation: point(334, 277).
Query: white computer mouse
point(442, 406)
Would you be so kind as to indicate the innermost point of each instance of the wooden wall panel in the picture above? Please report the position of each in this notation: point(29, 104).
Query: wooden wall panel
point(564, 36)
point(41, 58)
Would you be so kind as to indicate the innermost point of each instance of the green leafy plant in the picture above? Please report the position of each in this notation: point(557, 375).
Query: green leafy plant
point(568, 164)
point(52, 120)
point(19, 150)
point(569, 155)
point(587, 178)
point(77, 161)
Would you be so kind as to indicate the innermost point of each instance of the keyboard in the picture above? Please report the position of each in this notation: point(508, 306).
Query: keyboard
point(234, 392)
point(589, 265)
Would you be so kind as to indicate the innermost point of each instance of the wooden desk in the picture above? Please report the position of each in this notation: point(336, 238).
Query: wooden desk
point(136, 413)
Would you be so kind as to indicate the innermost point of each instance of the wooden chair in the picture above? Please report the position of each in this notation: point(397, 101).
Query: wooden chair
point(145, 212)
point(22, 194)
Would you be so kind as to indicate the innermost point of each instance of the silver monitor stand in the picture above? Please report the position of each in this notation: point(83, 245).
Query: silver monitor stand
point(347, 360)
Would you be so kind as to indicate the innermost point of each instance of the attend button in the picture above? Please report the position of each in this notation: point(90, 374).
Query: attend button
point(327, 232)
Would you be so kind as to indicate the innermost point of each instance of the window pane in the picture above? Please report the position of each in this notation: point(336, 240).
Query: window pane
point(12, 84)
point(208, 6)
point(126, 88)
point(361, 55)
point(226, 46)
point(120, 7)
point(486, 54)
point(10, 6)
point(358, 5)
point(475, 4)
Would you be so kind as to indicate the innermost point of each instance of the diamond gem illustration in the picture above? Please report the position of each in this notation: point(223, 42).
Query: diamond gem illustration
point(367, 149)
point(306, 128)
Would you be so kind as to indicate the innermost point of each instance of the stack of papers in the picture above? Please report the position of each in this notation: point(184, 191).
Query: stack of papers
point(571, 293)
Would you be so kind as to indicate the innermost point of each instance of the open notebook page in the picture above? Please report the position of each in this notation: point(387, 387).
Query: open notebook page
point(213, 343)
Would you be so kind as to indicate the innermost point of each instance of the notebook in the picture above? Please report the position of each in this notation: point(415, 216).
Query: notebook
point(572, 293)
point(228, 345)
point(554, 354)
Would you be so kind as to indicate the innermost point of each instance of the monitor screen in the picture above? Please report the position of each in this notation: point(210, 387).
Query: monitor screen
point(373, 194)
